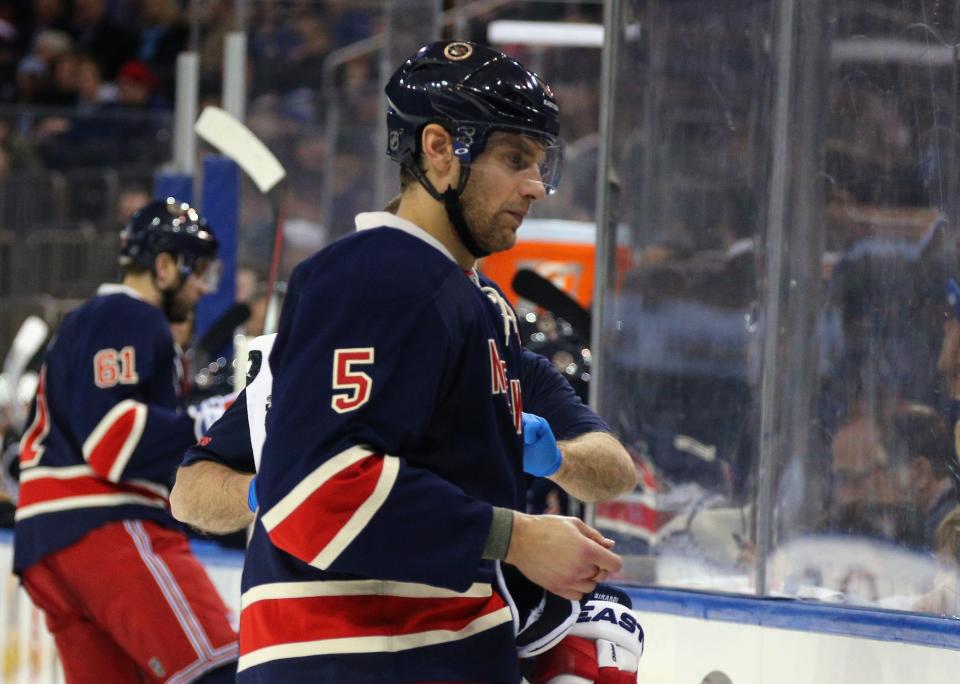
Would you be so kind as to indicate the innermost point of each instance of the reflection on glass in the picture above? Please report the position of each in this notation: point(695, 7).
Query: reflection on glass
point(865, 511)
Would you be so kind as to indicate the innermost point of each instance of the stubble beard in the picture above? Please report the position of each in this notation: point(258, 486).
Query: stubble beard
point(488, 229)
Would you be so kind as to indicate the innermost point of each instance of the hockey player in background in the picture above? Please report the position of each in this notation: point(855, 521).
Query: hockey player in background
point(392, 472)
point(95, 544)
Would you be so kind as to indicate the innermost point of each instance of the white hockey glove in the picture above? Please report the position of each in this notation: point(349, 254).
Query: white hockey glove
point(208, 412)
point(604, 646)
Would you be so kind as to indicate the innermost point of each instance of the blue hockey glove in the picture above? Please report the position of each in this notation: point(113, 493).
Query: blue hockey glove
point(541, 455)
point(252, 502)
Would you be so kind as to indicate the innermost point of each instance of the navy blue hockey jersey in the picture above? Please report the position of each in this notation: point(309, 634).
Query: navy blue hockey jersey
point(545, 393)
point(106, 432)
point(394, 429)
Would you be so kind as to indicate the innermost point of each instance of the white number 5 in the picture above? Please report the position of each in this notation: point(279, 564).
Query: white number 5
point(356, 384)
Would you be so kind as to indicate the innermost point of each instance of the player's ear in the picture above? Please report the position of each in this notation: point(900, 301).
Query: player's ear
point(442, 167)
point(165, 270)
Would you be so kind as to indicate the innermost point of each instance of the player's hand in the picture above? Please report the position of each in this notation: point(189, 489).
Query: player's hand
point(541, 455)
point(561, 554)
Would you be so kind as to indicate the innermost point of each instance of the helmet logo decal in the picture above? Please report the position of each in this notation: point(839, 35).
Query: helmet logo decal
point(457, 51)
point(466, 134)
point(394, 141)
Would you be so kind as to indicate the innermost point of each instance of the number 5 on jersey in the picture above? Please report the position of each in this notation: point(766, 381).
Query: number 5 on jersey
point(356, 385)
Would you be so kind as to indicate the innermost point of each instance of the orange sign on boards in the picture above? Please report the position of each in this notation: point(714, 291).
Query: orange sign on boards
point(561, 251)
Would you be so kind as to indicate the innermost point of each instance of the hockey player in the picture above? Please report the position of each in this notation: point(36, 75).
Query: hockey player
point(393, 465)
point(95, 544)
point(215, 494)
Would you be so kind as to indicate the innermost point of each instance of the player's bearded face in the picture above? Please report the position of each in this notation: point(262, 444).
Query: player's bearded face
point(504, 183)
point(177, 305)
point(179, 302)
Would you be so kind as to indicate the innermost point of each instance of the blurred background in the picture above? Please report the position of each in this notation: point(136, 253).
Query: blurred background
point(757, 224)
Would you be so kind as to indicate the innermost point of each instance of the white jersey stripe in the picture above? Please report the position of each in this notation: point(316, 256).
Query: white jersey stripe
point(81, 471)
point(359, 520)
point(373, 644)
point(126, 451)
point(65, 473)
point(93, 501)
point(297, 590)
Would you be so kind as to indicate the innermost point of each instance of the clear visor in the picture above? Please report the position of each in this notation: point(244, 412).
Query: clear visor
point(208, 271)
point(531, 157)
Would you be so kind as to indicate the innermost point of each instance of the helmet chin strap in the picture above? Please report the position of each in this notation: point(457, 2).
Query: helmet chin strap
point(451, 202)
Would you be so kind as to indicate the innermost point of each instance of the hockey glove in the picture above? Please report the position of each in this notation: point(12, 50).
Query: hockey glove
point(604, 647)
point(208, 412)
point(252, 502)
point(541, 455)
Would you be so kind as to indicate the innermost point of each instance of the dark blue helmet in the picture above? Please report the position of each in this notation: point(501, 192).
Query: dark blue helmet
point(167, 225)
point(470, 90)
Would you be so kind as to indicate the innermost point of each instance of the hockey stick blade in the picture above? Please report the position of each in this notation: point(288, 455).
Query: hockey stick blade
point(534, 287)
point(238, 142)
point(28, 341)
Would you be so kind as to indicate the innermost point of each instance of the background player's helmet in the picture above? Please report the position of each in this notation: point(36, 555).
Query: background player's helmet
point(167, 225)
point(470, 90)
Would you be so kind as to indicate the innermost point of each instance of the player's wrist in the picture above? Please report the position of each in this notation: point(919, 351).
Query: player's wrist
point(252, 502)
point(520, 529)
point(500, 536)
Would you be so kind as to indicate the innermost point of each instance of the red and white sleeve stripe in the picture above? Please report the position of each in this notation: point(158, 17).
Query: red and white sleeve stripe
point(319, 518)
point(109, 447)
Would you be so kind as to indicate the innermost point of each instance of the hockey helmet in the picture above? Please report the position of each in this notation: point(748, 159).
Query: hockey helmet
point(168, 225)
point(470, 90)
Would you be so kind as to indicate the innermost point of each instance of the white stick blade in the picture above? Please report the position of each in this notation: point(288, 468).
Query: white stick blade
point(31, 335)
point(238, 142)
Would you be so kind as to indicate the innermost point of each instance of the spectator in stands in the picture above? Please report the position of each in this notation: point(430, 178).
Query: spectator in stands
point(63, 87)
point(304, 68)
point(944, 598)
point(51, 14)
point(129, 199)
point(863, 485)
point(138, 87)
point(270, 46)
point(35, 81)
point(16, 152)
point(110, 43)
point(92, 90)
point(347, 25)
point(115, 134)
point(163, 35)
point(15, 32)
point(929, 452)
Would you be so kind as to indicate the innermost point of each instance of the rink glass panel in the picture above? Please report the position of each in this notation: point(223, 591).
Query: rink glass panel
point(784, 177)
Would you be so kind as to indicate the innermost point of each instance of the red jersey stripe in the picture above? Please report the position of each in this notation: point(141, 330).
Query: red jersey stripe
point(44, 489)
point(339, 620)
point(323, 519)
point(31, 447)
